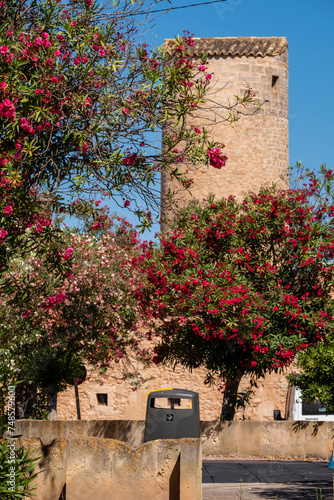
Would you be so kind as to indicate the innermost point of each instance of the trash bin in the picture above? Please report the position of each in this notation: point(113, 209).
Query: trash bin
point(172, 414)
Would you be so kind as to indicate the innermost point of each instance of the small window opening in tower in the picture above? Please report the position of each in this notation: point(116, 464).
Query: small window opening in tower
point(102, 399)
point(274, 80)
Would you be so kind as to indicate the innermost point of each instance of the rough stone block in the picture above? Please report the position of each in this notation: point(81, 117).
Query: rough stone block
point(108, 469)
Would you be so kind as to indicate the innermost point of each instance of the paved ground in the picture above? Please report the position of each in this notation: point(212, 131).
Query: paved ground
point(226, 479)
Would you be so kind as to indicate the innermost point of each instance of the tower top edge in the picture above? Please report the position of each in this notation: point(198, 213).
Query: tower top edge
point(236, 46)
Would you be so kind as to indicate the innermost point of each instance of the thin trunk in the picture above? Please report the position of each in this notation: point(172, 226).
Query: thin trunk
point(77, 400)
point(51, 392)
point(230, 397)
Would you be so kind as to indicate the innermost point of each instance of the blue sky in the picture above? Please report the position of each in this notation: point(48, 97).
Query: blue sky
point(308, 26)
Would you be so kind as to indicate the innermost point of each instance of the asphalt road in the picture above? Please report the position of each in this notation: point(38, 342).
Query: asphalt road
point(266, 480)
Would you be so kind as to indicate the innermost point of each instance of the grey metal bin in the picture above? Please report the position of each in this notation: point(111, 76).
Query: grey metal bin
point(172, 414)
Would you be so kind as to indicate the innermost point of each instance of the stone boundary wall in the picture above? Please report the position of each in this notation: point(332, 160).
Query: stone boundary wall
point(107, 469)
point(278, 439)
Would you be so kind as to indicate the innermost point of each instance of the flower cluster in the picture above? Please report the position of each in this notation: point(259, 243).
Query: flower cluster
point(217, 160)
point(53, 300)
point(7, 109)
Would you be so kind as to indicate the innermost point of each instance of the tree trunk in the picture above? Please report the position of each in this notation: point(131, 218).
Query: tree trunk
point(51, 395)
point(25, 399)
point(230, 396)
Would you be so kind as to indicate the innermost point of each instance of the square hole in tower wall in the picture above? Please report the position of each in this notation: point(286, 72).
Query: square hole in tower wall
point(274, 80)
point(102, 399)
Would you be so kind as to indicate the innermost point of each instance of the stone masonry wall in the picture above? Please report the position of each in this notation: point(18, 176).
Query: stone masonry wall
point(124, 403)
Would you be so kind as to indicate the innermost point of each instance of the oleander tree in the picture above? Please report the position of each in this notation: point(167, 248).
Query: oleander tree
point(81, 98)
point(89, 319)
point(240, 287)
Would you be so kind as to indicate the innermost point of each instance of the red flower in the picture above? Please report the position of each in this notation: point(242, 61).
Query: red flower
point(8, 210)
point(216, 158)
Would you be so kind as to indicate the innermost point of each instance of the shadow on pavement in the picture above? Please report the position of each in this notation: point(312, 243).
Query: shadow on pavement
point(311, 491)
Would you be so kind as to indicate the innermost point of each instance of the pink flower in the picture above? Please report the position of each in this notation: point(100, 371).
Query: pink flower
point(208, 77)
point(54, 79)
point(45, 35)
point(68, 254)
point(180, 47)
point(3, 50)
point(89, 2)
point(84, 147)
point(126, 204)
point(102, 52)
point(25, 125)
point(38, 41)
point(59, 297)
point(73, 23)
point(3, 85)
point(191, 42)
point(88, 102)
point(125, 111)
point(3, 235)
point(26, 314)
point(197, 130)
point(7, 109)
point(95, 47)
point(8, 210)
point(53, 300)
point(9, 33)
point(57, 53)
point(201, 67)
point(216, 159)
point(129, 160)
point(39, 91)
point(122, 48)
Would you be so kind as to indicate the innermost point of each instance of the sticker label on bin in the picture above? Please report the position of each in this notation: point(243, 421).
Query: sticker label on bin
point(169, 417)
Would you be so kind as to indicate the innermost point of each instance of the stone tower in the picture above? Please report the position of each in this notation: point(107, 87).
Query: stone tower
point(257, 145)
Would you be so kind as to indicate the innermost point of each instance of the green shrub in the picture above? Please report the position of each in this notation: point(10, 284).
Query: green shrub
point(24, 470)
